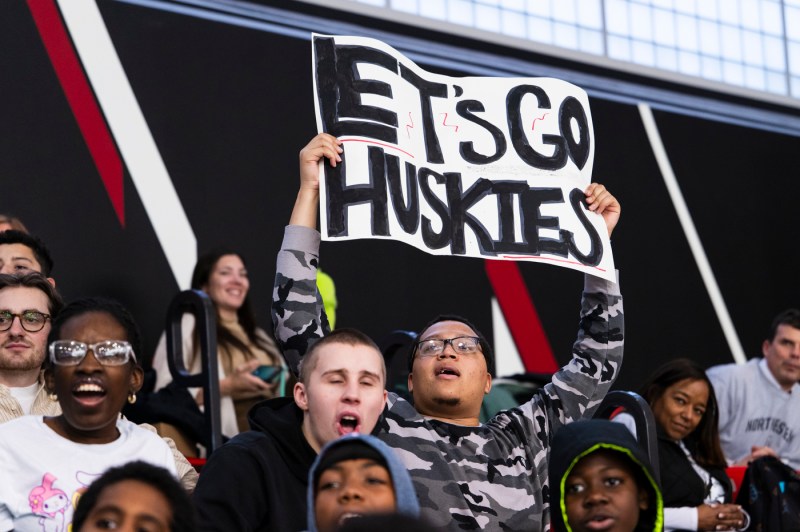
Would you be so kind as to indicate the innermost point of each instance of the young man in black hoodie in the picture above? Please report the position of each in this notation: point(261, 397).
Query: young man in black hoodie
point(258, 480)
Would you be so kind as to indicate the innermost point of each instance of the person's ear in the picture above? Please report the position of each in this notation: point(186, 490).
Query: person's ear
point(300, 396)
point(49, 379)
point(137, 379)
point(488, 387)
point(410, 384)
point(644, 500)
point(765, 347)
point(52, 281)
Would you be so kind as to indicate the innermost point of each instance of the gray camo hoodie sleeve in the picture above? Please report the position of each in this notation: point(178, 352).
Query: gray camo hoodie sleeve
point(297, 311)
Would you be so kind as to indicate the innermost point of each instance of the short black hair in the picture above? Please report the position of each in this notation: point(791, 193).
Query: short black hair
point(789, 317)
point(488, 353)
point(108, 306)
point(12, 236)
point(183, 515)
point(35, 280)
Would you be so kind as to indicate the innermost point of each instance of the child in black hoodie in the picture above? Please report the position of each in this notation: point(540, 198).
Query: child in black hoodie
point(601, 480)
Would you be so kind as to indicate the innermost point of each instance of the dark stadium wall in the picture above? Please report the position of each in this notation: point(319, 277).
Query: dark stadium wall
point(229, 107)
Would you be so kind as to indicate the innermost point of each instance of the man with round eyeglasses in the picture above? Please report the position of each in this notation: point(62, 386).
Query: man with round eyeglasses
point(26, 305)
point(467, 475)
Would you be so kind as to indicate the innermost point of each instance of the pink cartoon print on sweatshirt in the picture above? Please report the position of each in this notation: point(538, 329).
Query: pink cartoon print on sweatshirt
point(51, 504)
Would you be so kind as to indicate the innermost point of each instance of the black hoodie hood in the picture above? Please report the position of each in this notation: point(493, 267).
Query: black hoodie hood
point(580, 438)
point(282, 420)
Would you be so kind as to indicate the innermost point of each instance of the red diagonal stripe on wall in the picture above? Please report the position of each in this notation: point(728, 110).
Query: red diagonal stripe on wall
point(81, 100)
point(521, 316)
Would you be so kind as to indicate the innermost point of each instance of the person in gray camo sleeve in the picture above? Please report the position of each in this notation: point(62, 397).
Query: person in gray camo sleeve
point(467, 475)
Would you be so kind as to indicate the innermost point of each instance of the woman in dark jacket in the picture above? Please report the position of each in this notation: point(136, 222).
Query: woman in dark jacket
point(697, 491)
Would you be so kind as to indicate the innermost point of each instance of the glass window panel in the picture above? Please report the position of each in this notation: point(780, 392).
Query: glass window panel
point(686, 6)
point(619, 48)
point(668, 4)
point(589, 14)
point(752, 51)
point(617, 17)
point(564, 10)
point(735, 41)
point(487, 18)
point(792, 22)
point(709, 38)
point(776, 82)
point(664, 28)
point(731, 43)
point(409, 6)
point(707, 9)
point(729, 12)
point(751, 14)
point(513, 24)
point(687, 33)
point(710, 68)
point(795, 87)
point(540, 30)
point(433, 9)
point(794, 58)
point(565, 35)
point(641, 23)
point(754, 78)
point(538, 7)
point(771, 18)
point(517, 5)
point(460, 12)
point(689, 63)
point(732, 73)
point(591, 41)
point(773, 53)
point(666, 58)
point(643, 53)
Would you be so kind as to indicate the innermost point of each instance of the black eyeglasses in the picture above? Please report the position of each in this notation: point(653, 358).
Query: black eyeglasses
point(463, 345)
point(31, 320)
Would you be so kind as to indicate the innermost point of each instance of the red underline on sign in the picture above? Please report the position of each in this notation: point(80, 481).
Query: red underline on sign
point(536, 257)
point(390, 146)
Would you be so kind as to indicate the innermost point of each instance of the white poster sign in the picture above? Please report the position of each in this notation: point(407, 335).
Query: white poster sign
point(481, 167)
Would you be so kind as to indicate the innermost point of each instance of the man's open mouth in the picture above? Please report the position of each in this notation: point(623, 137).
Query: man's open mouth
point(447, 371)
point(348, 423)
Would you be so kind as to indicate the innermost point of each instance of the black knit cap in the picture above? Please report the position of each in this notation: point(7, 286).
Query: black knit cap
point(348, 450)
point(488, 354)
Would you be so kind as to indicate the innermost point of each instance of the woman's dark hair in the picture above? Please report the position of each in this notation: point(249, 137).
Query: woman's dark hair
point(705, 436)
point(108, 306)
point(247, 319)
point(183, 517)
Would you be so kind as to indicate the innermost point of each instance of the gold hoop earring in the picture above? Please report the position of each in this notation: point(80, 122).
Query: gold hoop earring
point(131, 398)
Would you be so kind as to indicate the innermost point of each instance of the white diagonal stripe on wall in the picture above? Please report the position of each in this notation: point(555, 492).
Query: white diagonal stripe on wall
point(691, 234)
point(132, 135)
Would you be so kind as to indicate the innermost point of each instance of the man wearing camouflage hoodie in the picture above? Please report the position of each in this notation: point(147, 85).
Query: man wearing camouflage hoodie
point(467, 475)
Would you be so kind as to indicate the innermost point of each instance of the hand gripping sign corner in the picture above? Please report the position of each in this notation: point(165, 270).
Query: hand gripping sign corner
point(481, 167)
